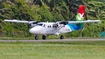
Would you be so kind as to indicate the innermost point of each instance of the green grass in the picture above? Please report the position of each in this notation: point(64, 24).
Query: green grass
point(72, 50)
point(15, 38)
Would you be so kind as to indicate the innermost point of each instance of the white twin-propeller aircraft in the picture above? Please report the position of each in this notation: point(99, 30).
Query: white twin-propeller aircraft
point(56, 28)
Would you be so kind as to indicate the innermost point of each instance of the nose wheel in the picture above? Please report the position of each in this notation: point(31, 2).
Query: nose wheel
point(36, 37)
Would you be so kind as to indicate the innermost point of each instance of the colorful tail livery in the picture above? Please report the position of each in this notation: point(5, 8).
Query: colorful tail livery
point(79, 18)
point(80, 15)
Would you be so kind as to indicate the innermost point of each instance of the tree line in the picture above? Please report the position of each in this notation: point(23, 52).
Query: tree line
point(50, 10)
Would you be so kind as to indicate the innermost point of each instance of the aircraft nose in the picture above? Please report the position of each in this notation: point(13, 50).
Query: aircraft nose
point(33, 30)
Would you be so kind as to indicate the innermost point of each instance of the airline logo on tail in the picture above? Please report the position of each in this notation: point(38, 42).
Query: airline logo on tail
point(80, 15)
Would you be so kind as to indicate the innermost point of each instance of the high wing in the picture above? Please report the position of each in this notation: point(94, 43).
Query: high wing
point(60, 22)
point(18, 21)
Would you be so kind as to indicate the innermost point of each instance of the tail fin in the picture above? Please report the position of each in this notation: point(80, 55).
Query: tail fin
point(80, 15)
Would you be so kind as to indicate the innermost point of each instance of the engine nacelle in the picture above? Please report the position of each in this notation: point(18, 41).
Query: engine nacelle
point(63, 22)
point(32, 24)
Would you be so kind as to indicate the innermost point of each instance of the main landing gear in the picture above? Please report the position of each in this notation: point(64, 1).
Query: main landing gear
point(61, 37)
point(43, 37)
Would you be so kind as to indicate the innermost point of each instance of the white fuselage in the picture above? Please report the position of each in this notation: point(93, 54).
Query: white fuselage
point(50, 28)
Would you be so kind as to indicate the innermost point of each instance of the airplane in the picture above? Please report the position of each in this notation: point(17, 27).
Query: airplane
point(56, 28)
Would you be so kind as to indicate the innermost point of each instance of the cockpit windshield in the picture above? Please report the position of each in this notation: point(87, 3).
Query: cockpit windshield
point(39, 24)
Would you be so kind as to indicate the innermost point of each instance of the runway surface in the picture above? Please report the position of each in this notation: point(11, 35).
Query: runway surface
point(52, 40)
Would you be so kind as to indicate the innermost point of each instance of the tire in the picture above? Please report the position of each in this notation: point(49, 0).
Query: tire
point(36, 37)
point(61, 37)
point(44, 37)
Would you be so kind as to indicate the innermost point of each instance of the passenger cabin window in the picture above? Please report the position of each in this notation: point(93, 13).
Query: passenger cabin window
point(49, 26)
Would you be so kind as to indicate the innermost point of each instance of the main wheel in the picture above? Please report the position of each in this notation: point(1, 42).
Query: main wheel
point(43, 37)
point(36, 37)
point(61, 37)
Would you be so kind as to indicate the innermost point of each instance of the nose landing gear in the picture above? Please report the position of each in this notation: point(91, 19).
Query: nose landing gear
point(36, 37)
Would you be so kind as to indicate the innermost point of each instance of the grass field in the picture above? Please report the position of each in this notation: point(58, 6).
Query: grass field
point(72, 50)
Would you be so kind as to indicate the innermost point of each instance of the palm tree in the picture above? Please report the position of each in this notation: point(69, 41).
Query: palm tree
point(96, 10)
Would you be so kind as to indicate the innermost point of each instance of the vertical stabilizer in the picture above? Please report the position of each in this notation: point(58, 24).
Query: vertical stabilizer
point(80, 14)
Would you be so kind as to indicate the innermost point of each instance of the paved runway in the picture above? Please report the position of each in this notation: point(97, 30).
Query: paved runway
point(52, 40)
